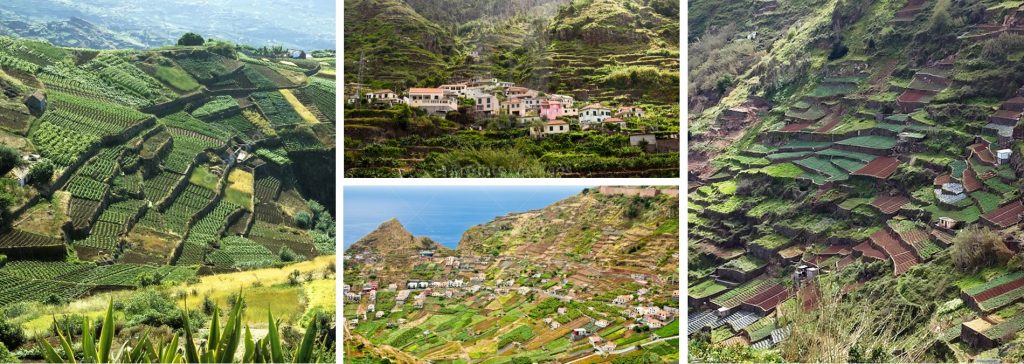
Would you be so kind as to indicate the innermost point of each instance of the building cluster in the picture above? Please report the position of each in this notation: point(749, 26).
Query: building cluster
point(491, 97)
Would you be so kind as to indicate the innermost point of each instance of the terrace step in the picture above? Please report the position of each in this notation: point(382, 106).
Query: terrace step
point(901, 256)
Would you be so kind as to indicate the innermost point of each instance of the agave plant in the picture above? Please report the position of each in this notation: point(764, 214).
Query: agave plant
point(221, 345)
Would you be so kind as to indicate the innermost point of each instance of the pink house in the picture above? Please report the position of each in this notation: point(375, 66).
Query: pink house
point(551, 110)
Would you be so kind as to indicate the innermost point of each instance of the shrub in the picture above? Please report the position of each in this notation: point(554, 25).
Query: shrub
point(40, 172)
point(191, 39)
point(6, 356)
point(153, 308)
point(9, 158)
point(978, 247)
point(303, 219)
point(11, 334)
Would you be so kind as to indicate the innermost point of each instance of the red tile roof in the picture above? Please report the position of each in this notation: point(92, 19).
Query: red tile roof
point(612, 120)
point(594, 106)
point(557, 122)
point(943, 179)
point(425, 90)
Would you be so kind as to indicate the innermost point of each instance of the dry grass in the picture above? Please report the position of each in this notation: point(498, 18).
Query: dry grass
point(299, 107)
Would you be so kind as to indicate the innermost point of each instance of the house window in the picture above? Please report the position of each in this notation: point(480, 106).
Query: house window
point(561, 127)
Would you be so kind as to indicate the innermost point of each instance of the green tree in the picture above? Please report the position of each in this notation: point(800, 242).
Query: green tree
point(978, 247)
point(191, 39)
point(41, 172)
point(9, 158)
point(11, 333)
point(6, 356)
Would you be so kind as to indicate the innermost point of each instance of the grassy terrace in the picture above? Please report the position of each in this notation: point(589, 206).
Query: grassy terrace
point(746, 263)
point(771, 241)
point(705, 289)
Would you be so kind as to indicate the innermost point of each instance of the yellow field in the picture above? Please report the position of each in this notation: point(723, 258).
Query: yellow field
point(298, 106)
point(240, 180)
point(285, 301)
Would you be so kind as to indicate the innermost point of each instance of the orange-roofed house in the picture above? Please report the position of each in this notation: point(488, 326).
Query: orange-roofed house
point(556, 126)
point(433, 100)
point(455, 88)
point(630, 112)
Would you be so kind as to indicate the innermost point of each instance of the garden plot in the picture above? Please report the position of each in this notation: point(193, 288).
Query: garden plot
point(997, 293)
point(902, 258)
point(880, 168)
point(1006, 216)
point(913, 234)
point(742, 293)
point(822, 167)
point(766, 301)
point(889, 204)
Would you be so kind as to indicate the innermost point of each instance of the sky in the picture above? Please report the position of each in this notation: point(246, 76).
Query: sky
point(442, 213)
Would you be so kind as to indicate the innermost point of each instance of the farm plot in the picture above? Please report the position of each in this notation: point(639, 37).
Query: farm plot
point(239, 252)
point(276, 237)
point(321, 94)
point(766, 300)
point(158, 187)
point(181, 212)
point(914, 235)
point(276, 109)
point(881, 168)
point(118, 73)
point(998, 293)
point(889, 204)
point(875, 142)
point(901, 257)
point(216, 106)
point(204, 66)
point(742, 293)
point(824, 168)
point(1005, 216)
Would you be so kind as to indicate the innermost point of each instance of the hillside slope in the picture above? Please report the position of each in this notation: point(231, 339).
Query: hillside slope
point(591, 228)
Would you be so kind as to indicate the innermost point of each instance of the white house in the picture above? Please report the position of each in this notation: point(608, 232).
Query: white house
point(594, 113)
point(622, 299)
point(433, 100)
point(556, 126)
point(455, 88)
point(486, 104)
point(630, 112)
point(384, 94)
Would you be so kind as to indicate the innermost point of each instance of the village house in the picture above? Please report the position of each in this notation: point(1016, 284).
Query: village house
point(486, 104)
point(483, 82)
point(524, 290)
point(371, 308)
point(433, 100)
point(514, 106)
point(352, 297)
point(550, 109)
point(570, 111)
point(392, 287)
point(36, 102)
point(382, 95)
point(629, 112)
point(564, 99)
point(601, 323)
point(516, 91)
point(417, 284)
point(561, 310)
point(594, 113)
point(505, 84)
point(622, 299)
point(402, 296)
point(379, 314)
point(578, 334)
point(556, 126)
point(458, 89)
point(618, 123)
point(420, 300)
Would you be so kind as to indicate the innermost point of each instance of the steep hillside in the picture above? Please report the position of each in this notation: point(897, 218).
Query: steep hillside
point(877, 142)
point(614, 49)
point(392, 239)
point(594, 228)
point(400, 46)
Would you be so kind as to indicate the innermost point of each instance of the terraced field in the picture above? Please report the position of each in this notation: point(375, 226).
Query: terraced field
point(140, 145)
